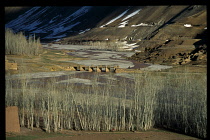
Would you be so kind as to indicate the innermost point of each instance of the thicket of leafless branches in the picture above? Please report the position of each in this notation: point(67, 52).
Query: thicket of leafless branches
point(16, 43)
point(174, 101)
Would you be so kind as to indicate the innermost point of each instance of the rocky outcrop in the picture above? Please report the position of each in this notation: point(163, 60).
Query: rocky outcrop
point(199, 55)
point(173, 56)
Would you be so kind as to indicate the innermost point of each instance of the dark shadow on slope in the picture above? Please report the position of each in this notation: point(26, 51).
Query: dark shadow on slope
point(170, 21)
point(203, 36)
point(13, 12)
point(74, 18)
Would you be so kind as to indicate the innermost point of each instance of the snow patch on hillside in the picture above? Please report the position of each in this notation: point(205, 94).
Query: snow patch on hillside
point(59, 30)
point(25, 21)
point(82, 32)
point(66, 24)
point(128, 47)
point(115, 18)
point(123, 24)
point(132, 14)
point(31, 21)
point(141, 24)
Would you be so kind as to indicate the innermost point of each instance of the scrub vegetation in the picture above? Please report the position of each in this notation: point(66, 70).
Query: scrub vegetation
point(176, 101)
point(102, 45)
point(17, 44)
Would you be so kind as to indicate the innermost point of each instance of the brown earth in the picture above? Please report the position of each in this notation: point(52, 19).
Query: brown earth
point(10, 66)
point(49, 60)
point(173, 54)
point(152, 134)
point(12, 119)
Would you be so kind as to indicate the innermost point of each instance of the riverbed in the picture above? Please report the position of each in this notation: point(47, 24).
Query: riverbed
point(93, 57)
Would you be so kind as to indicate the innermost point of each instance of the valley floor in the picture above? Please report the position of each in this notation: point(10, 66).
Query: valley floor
point(57, 58)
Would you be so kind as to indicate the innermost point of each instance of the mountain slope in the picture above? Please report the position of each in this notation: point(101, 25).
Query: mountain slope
point(57, 22)
point(163, 34)
point(133, 22)
point(143, 24)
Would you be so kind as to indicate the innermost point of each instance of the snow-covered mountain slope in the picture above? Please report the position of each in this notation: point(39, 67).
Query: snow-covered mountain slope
point(102, 22)
point(58, 22)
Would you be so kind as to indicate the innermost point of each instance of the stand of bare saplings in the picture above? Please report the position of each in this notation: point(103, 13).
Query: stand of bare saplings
point(103, 45)
point(17, 44)
point(177, 101)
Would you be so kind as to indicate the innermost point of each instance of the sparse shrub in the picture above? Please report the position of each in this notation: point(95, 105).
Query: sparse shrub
point(16, 43)
point(176, 101)
point(105, 45)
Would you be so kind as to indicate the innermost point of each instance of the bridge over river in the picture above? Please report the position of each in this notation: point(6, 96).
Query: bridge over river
point(98, 68)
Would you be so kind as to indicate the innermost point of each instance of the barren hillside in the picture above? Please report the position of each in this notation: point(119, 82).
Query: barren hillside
point(163, 34)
